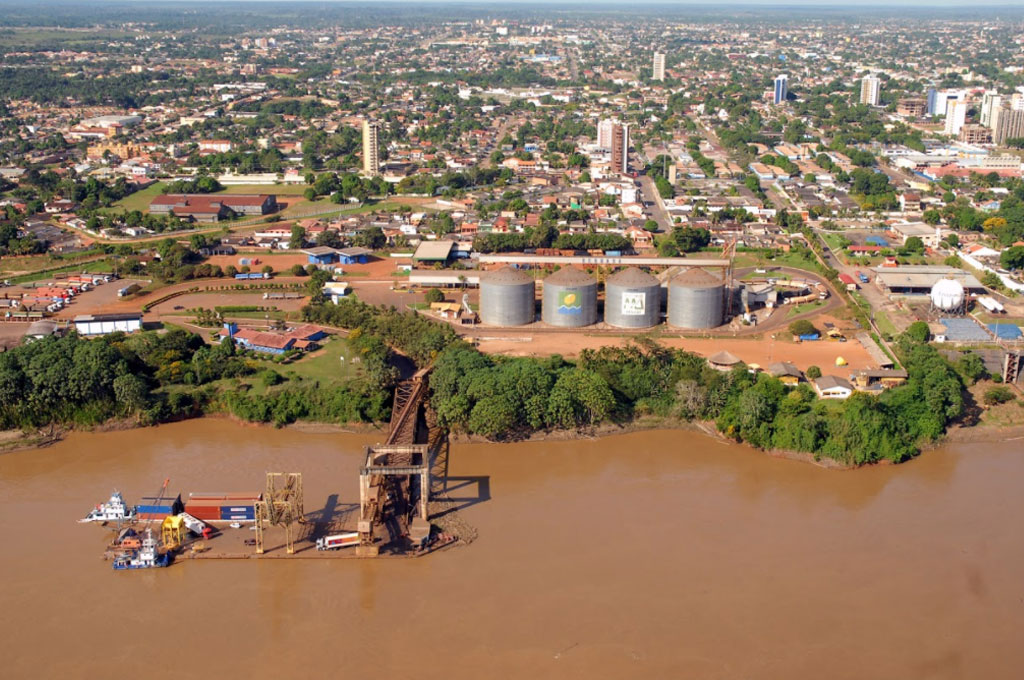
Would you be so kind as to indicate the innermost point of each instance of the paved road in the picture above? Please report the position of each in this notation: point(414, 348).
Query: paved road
point(875, 298)
point(652, 204)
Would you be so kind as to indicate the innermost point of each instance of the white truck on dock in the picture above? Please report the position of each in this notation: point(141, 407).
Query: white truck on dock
point(193, 524)
point(337, 541)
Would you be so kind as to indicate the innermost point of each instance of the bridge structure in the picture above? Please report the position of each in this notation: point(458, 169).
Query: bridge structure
point(394, 480)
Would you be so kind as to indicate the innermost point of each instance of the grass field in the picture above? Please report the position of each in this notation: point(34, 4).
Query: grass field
point(885, 324)
point(90, 267)
point(276, 189)
point(768, 274)
point(795, 261)
point(782, 260)
point(985, 317)
point(326, 363)
point(834, 241)
point(794, 310)
point(140, 200)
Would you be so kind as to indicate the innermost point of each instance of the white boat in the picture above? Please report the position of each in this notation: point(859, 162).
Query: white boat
point(114, 510)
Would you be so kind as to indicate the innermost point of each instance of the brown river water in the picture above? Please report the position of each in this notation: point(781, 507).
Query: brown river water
point(654, 555)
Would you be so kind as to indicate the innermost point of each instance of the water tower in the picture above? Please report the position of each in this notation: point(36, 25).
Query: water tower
point(948, 297)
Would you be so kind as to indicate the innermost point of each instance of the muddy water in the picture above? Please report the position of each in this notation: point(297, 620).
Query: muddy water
point(649, 555)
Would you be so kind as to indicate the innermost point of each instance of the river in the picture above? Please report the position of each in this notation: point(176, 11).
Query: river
point(654, 554)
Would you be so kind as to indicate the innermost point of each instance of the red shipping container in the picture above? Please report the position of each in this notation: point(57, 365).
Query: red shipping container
point(221, 497)
point(203, 513)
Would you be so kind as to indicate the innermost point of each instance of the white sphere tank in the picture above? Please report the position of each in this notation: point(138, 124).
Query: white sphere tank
point(947, 295)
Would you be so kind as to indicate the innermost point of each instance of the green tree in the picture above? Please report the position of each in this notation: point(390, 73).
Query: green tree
point(298, 238)
point(1012, 258)
point(131, 392)
point(971, 367)
point(663, 186)
point(813, 372)
point(914, 244)
point(691, 239)
point(1000, 394)
point(802, 327)
point(434, 295)
point(992, 280)
point(372, 237)
point(918, 331)
point(579, 397)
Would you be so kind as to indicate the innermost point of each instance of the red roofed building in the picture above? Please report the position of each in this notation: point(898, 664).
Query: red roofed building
point(302, 337)
point(213, 207)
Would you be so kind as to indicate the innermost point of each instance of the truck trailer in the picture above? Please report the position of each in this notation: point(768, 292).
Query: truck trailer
point(337, 541)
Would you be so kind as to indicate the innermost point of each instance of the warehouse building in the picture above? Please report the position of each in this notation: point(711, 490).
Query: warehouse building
point(919, 279)
point(213, 207)
point(103, 324)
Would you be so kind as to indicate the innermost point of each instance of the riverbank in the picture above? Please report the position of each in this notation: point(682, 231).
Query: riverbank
point(16, 440)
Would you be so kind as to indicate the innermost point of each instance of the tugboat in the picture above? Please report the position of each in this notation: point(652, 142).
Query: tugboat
point(114, 510)
point(146, 557)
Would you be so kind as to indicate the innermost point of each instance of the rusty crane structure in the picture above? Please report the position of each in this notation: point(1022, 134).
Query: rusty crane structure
point(282, 505)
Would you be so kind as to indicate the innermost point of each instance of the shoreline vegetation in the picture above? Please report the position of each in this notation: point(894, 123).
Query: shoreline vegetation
point(12, 441)
point(119, 381)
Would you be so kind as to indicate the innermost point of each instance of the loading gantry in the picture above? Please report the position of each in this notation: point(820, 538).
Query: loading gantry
point(394, 489)
point(281, 506)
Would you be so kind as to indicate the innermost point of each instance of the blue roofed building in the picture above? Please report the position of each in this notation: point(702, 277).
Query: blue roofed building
point(321, 255)
point(354, 255)
point(1005, 331)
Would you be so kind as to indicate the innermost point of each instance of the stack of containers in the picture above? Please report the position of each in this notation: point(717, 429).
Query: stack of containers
point(157, 509)
point(226, 507)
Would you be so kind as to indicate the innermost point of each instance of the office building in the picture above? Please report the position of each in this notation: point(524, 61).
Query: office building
point(781, 89)
point(933, 101)
point(956, 116)
point(944, 98)
point(604, 132)
point(620, 147)
point(990, 101)
point(1009, 124)
point(870, 89)
point(371, 156)
point(613, 136)
point(659, 66)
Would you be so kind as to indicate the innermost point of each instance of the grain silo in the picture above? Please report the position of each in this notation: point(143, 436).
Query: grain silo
point(507, 298)
point(570, 299)
point(695, 300)
point(632, 299)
